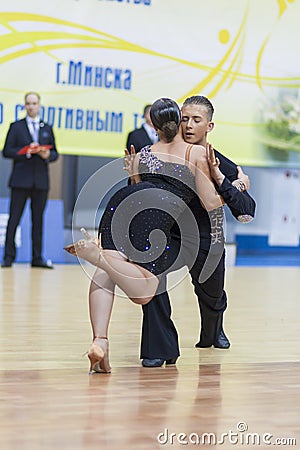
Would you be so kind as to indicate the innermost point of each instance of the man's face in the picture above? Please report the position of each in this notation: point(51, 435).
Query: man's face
point(195, 124)
point(32, 105)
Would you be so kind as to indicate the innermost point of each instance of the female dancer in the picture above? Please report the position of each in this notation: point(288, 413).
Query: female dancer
point(136, 245)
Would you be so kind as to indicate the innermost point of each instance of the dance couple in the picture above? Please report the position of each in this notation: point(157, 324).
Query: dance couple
point(135, 249)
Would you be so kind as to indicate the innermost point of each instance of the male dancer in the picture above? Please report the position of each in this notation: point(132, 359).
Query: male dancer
point(159, 336)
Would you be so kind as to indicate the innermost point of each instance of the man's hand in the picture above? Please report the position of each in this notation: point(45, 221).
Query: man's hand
point(243, 177)
point(214, 164)
point(242, 183)
point(44, 152)
point(35, 148)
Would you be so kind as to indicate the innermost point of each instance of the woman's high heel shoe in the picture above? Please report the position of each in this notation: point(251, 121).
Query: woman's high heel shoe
point(71, 249)
point(98, 357)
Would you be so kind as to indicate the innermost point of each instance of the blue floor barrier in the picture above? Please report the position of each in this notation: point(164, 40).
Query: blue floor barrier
point(53, 239)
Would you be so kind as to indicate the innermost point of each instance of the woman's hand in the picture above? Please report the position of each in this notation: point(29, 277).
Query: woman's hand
point(214, 164)
point(129, 159)
point(129, 165)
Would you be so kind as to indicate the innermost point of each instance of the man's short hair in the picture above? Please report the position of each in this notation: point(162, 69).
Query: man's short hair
point(200, 100)
point(32, 93)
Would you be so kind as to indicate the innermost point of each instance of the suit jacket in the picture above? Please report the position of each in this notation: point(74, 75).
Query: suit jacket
point(139, 138)
point(241, 204)
point(31, 172)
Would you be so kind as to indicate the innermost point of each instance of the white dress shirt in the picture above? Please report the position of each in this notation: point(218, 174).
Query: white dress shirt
point(151, 133)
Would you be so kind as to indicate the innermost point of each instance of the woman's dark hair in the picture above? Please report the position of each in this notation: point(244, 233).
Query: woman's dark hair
point(165, 116)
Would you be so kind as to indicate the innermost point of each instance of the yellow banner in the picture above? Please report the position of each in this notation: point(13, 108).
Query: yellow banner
point(96, 63)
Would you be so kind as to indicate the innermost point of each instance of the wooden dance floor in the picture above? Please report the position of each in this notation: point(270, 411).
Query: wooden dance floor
point(244, 397)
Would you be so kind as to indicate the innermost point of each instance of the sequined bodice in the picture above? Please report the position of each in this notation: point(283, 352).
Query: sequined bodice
point(174, 177)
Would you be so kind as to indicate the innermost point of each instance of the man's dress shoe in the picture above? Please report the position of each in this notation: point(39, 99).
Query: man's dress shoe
point(6, 263)
point(157, 362)
point(220, 342)
point(42, 265)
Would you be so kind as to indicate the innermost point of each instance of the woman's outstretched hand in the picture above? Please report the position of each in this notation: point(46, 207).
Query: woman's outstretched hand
point(129, 159)
point(129, 165)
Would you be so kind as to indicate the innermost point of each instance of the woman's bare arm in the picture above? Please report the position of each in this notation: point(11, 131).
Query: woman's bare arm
point(206, 190)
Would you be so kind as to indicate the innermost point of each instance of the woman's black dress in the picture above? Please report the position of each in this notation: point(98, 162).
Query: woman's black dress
point(138, 218)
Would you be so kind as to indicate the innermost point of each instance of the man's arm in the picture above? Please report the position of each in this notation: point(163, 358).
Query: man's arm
point(52, 154)
point(226, 173)
point(240, 203)
point(12, 144)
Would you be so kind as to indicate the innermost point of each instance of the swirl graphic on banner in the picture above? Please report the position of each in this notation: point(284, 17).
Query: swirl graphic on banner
point(17, 43)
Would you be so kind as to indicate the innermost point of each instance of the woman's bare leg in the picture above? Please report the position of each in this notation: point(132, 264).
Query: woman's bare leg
point(101, 300)
point(138, 283)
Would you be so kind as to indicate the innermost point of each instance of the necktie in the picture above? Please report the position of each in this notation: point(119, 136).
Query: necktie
point(35, 128)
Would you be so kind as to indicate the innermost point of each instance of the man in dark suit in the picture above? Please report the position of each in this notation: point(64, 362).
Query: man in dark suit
point(146, 135)
point(29, 177)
